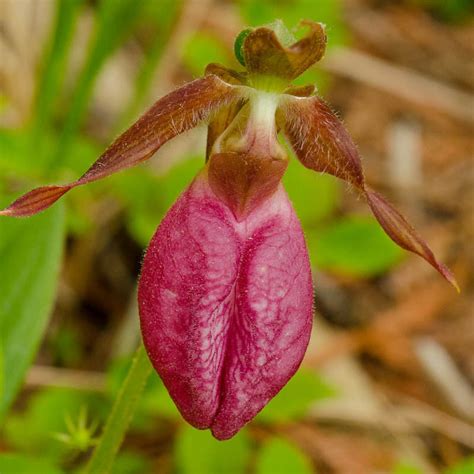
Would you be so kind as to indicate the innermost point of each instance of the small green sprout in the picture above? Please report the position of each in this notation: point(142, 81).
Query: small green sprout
point(79, 435)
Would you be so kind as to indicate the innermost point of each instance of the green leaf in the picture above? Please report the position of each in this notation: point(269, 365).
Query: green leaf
point(19, 464)
point(354, 246)
point(295, 398)
point(30, 252)
point(198, 452)
point(278, 456)
point(314, 196)
point(465, 466)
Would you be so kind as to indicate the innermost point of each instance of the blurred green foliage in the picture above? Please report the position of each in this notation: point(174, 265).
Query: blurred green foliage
point(147, 198)
point(65, 345)
point(315, 196)
point(34, 430)
point(128, 462)
point(466, 466)
point(278, 456)
point(406, 468)
point(18, 463)
point(292, 402)
point(296, 397)
point(354, 246)
point(197, 451)
point(199, 48)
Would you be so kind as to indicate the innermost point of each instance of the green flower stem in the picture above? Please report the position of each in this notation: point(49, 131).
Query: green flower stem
point(121, 414)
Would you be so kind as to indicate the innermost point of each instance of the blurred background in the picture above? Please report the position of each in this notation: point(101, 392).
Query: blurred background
point(387, 383)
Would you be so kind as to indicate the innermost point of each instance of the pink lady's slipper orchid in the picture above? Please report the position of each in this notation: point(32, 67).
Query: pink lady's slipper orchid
point(225, 293)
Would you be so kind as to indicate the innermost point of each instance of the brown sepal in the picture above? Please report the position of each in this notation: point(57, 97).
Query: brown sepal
point(173, 114)
point(321, 143)
point(244, 181)
point(265, 55)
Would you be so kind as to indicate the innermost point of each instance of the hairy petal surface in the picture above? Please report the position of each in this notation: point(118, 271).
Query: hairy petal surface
point(225, 306)
point(173, 114)
point(321, 143)
point(319, 139)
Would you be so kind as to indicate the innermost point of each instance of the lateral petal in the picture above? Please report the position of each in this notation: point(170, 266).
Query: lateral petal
point(171, 115)
point(322, 143)
point(320, 140)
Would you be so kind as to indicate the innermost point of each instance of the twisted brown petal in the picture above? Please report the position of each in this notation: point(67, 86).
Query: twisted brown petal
point(403, 234)
point(321, 143)
point(173, 114)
